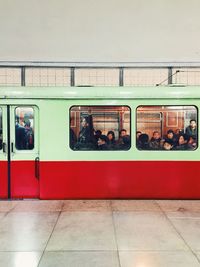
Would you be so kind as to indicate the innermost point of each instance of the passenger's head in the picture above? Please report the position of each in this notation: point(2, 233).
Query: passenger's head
point(170, 134)
point(84, 122)
point(98, 133)
point(122, 132)
point(156, 135)
point(193, 124)
point(111, 135)
point(102, 140)
point(138, 133)
point(126, 140)
point(183, 139)
point(144, 138)
point(168, 144)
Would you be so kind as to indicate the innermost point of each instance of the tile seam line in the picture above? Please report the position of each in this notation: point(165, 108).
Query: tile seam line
point(174, 227)
point(115, 233)
point(50, 235)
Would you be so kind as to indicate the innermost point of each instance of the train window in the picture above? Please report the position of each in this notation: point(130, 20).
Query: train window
point(100, 128)
point(24, 128)
point(166, 128)
point(1, 130)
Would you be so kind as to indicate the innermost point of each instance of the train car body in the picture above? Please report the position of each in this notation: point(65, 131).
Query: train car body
point(47, 166)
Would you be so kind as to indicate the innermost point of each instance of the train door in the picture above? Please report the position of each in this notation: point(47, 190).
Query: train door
point(20, 151)
point(3, 153)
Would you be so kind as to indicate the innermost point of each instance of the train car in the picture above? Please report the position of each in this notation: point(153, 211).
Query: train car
point(99, 142)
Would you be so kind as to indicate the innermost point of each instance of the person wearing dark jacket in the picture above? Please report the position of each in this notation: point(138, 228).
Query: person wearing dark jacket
point(191, 130)
point(155, 142)
point(111, 140)
point(102, 142)
point(86, 135)
point(143, 142)
point(182, 142)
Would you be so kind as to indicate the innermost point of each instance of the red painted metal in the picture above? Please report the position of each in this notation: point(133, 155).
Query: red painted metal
point(23, 181)
point(120, 179)
point(106, 179)
point(3, 179)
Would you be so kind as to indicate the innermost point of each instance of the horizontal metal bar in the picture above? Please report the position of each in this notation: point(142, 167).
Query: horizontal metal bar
point(100, 64)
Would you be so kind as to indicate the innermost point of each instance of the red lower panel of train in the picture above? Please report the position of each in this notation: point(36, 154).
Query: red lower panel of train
point(120, 179)
point(24, 184)
point(3, 179)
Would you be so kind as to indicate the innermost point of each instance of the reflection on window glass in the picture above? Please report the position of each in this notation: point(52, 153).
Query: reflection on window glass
point(167, 128)
point(24, 128)
point(1, 130)
point(100, 128)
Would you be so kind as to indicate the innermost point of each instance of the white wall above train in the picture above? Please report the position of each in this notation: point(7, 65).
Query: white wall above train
point(100, 31)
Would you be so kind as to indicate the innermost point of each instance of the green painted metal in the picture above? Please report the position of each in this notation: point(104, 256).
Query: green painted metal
point(54, 116)
point(164, 92)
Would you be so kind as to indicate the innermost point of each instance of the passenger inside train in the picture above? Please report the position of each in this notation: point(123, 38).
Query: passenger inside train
point(157, 128)
point(24, 132)
point(100, 128)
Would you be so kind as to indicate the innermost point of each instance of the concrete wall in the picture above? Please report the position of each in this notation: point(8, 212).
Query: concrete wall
point(100, 30)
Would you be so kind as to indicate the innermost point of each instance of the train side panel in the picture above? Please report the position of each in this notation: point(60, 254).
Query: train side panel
point(65, 173)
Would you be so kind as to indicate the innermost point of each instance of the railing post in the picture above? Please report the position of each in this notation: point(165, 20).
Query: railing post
point(23, 76)
point(170, 81)
point(72, 76)
point(121, 76)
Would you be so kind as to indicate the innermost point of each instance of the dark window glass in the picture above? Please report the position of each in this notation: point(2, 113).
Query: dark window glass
point(167, 128)
point(24, 128)
point(1, 129)
point(100, 128)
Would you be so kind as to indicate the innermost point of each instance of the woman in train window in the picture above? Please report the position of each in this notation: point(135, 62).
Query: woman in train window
point(111, 142)
point(86, 134)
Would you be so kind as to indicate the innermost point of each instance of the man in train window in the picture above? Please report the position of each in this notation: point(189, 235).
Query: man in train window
point(191, 130)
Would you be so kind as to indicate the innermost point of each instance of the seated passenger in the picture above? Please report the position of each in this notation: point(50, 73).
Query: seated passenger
point(126, 142)
point(191, 130)
point(155, 142)
point(192, 143)
point(111, 140)
point(182, 142)
point(121, 134)
point(143, 142)
point(168, 144)
point(97, 134)
point(171, 136)
point(102, 142)
point(138, 133)
point(73, 138)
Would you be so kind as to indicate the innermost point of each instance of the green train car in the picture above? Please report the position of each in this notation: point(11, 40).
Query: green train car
point(99, 142)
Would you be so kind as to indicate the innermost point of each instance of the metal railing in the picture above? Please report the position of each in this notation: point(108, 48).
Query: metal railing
point(98, 74)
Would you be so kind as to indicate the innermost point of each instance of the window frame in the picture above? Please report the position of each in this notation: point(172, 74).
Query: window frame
point(94, 150)
point(162, 150)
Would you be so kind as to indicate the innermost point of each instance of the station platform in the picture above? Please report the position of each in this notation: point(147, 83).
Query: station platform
point(100, 233)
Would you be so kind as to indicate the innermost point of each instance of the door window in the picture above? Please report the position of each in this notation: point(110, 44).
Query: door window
point(24, 128)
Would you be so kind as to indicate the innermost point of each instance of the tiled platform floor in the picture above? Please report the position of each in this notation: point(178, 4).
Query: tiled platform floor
point(100, 233)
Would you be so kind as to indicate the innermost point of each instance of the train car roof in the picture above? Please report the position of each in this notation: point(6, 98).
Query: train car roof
point(104, 92)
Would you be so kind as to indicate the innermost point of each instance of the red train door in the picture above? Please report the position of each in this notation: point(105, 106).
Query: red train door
point(20, 153)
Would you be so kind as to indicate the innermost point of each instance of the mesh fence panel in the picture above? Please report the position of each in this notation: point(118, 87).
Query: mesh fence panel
point(10, 76)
